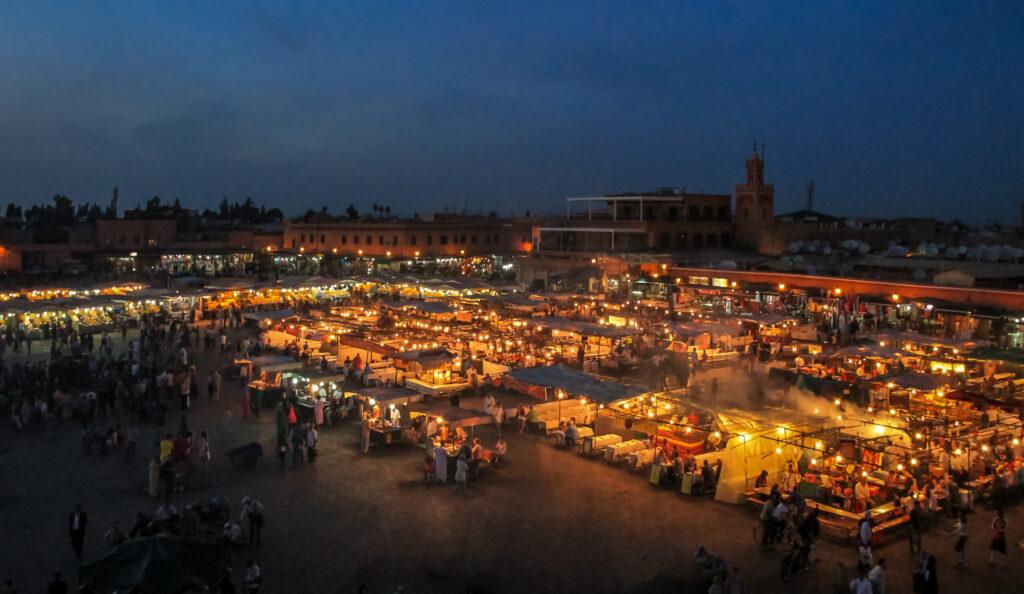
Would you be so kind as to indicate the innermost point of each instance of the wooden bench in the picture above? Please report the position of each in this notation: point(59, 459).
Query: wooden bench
point(887, 528)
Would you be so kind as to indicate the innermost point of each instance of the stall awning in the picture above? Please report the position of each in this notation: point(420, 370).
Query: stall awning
point(582, 328)
point(366, 345)
point(275, 363)
point(316, 375)
point(767, 318)
point(998, 354)
point(575, 383)
point(454, 415)
point(259, 316)
point(699, 328)
point(428, 358)
point(430, 307)
point(391, 394)
point(916, 380)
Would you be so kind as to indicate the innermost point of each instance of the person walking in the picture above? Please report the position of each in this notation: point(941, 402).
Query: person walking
point(253, 577)
point(227, 585)
point(916, 525)
point(877, 577)
point(998, 545)
point(77, 521)
point(864, 541)
point(58, 585)
point(733, 582)
point(311, 439)
point(298, 440)
point(926, 580)
point(960, 531)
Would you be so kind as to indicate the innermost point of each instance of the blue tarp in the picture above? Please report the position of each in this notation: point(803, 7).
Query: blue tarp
point(575, 383)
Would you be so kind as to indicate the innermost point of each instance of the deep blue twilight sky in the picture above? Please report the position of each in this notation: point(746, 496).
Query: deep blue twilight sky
point(893, 108)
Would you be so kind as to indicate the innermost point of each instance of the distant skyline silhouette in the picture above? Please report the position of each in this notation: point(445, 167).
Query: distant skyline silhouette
point(893, 109)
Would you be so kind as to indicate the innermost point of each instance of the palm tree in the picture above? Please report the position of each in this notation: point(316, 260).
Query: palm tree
point(375, 209)
point(387, 211)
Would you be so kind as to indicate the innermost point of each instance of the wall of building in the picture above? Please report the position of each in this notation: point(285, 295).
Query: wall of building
point(407, 239)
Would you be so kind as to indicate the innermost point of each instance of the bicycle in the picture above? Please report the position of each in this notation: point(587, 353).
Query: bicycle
point(759, 533)
point(794, 561)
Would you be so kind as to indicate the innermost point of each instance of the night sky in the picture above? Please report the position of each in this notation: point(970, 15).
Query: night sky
point(894, 109)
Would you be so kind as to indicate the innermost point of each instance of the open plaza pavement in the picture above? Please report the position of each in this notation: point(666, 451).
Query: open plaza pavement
point(546, 520)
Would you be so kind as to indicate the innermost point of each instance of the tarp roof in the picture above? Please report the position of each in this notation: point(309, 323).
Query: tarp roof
point(280, 314)
point(433, 307)
point(456, 416)
point(387, 394)
point(428, 358)
point(998, 354)
point(767, 318)
point(698, 328)
point(575, 383)
point(581, 327)
point(275, 363)
point(916, 380)
point(158, 564)
point(866, 350)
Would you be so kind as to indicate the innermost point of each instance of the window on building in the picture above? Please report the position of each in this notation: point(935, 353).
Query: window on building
point(709, 213)
point(472, 239)
point(627, 212)
point(430, 240)
point(673, 213)
point(369, 240)
point(344, 239)
point(123, 239)
point(380, 240)
point(394, 240)
point(712, 240)
point(444, 240)
point(723, 213)
point(135, 240)
point(726, 240)
point(462, 239)
point(355, 240)
point(302, 238)
point(698, 240)
point(323, 238)
point(412, 240)
point(663, 240)
point(681, 240)
point(694, 214)
point(649, 213)
point(293, 242)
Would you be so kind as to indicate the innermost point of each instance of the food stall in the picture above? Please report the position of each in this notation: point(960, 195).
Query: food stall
point(433, 371)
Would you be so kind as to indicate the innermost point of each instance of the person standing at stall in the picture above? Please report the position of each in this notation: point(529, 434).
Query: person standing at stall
point(461, 472)
point(364, 433)
point(441, 463)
